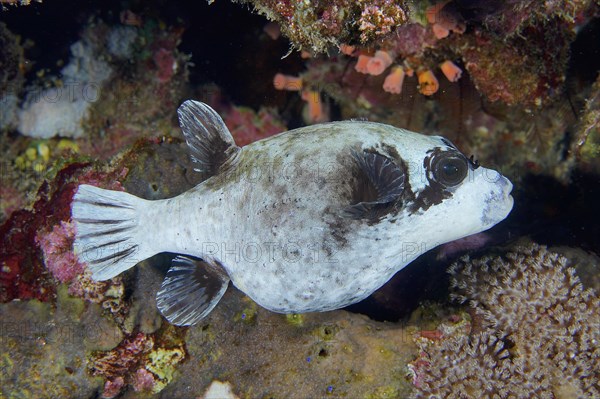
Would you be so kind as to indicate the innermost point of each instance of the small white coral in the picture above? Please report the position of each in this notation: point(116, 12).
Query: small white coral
point(51, 113)
point(121, 41)
point(61, 111)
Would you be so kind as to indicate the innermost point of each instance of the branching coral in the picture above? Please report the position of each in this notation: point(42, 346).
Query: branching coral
point(535, 332)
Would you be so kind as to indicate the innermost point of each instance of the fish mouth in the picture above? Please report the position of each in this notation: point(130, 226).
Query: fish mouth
point(498, 204)
point(507, 191)
point(509, 201)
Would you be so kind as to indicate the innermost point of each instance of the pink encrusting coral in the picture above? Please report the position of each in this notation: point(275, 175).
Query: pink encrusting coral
point(166, 64)
point(143, 380)
point(113, 364)
point(56, 246)
point(248, 126)
point(113, 387)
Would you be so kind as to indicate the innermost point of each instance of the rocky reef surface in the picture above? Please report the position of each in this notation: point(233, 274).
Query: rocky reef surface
point(515, 83)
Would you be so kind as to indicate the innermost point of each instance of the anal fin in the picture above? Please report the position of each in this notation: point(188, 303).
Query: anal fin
point(191, 289)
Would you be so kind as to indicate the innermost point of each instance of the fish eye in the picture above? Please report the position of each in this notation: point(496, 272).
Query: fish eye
point(449, 169)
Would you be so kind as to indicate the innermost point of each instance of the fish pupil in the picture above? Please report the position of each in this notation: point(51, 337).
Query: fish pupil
point(450, 170)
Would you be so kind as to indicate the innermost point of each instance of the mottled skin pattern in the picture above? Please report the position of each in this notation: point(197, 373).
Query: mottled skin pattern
point(274, 216)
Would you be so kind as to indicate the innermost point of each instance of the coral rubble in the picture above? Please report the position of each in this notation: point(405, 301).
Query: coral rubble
point(535, 332)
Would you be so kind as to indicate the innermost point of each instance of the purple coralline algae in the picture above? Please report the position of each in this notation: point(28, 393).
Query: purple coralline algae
point(58, 253)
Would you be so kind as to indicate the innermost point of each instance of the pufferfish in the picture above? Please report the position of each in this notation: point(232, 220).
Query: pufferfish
point(310, 220)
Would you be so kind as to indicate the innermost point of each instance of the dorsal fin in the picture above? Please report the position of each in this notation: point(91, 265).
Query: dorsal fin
point(380, 183)
point(211, 144)
point(191, 289)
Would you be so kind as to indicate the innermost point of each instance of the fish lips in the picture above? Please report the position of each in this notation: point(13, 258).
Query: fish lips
point(498, 202)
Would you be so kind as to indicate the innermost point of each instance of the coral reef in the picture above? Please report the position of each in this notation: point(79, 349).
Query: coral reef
point(585, 148)
point(42, 351)
point(497, 78)
point(263, 354)
point(247, 126)
point(531, 60)
point(12, 76)
point(36, 255)
point(61, 110)
point(31, 236)
point(319, 25)
point(534, 332)
point(137, 362)
point(109, 66)
point(506, 69)
point(59, 258)
point(16, 3)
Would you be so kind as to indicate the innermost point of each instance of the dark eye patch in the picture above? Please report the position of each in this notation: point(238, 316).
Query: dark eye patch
point(449, 172)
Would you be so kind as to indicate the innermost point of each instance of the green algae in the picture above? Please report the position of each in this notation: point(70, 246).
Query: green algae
point(295, 319)
point(163, 364)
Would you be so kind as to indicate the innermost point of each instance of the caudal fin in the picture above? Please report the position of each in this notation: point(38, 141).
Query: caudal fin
point(108, 225)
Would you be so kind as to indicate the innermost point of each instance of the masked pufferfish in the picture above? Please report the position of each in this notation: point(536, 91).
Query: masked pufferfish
point(309, 220)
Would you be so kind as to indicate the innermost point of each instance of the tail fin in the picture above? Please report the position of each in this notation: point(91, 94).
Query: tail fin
point(108, 227)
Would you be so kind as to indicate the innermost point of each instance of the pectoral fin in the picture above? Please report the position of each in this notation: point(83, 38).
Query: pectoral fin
point(379, 184)
point(190, 290)
point(211, 145)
